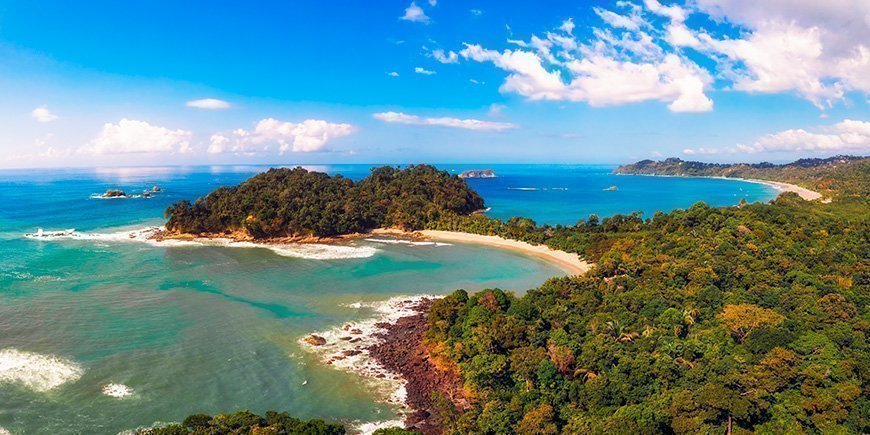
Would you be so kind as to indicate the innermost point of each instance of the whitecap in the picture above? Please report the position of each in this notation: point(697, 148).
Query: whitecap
point(35, 371)
point(311, 251)
point(523, 188)
point(118, 391)
point(370, 427)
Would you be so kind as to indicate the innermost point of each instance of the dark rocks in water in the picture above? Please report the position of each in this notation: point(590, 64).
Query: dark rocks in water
point(612, 188)
point(478, 173)
point(315, 340)
point(147, 194)
point(402, 351)
point(114, 193)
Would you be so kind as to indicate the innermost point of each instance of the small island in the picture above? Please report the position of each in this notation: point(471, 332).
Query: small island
point(478, 173)
point(115, 193)
point(298, 205)
point(611, 188)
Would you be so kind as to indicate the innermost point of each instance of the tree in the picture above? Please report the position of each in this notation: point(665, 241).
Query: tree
point(744, 318)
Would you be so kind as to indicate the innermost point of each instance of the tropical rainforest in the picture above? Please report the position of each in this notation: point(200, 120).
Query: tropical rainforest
point(295, 202)
point(750, 319)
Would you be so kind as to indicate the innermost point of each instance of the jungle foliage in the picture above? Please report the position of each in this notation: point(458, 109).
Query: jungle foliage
point(295, 202)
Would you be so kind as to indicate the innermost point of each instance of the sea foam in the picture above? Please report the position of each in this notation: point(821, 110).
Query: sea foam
point(118, 391)
point(346, 347)
point(311, 251)
point(35, 371)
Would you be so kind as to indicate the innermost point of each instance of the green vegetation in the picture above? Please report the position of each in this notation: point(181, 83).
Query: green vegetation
point(755, 315)
point(294, 202)
point(834, 175)
point(244, 422)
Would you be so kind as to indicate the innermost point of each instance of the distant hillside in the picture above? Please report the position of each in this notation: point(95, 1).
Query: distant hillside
point(822, 175)
point(298, 203)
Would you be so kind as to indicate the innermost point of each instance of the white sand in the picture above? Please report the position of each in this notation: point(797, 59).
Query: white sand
point(570, 263)
point(803, 192)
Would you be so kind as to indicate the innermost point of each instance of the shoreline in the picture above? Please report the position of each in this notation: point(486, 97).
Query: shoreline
point(803, 192)
point(570, 263)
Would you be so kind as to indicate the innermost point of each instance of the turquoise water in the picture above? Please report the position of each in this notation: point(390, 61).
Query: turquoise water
point(211, 329)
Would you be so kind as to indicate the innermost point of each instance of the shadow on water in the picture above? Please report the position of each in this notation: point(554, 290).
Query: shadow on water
point(277, 310)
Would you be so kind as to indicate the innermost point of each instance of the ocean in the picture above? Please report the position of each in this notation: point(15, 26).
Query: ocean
point(101, 333)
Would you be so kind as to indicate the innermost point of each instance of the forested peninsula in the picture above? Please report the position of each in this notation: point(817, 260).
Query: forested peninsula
point(828, 176)
point(286, 202)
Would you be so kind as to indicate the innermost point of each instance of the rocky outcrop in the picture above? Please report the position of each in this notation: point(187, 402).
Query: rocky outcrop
point(478, 173)
point(114, 193)
point(403, 351)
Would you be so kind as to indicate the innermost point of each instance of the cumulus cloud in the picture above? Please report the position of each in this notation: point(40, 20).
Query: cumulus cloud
point(817, 50)
point(467, 124)
point(619, 65)
point(445, 57)
point(42, 114)
point(209, 104)
point(601, 80)
point(415, 14)
point(424, 71)
point(306, 136)
point(130, 136)
point(846, 136)
point(393, 74)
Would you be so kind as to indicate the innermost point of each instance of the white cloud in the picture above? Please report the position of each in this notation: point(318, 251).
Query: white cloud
point(567, 26)
point(415, 14)
point(846, 136)
point(618, 20)
point(393, 74)
point(495, 110)
point(307, 136)
point(476, 12)
point(433, 3)
point(467, 124)
point(445, 57)
point(601, 80)
point(476, 82)
point(817, 50)
point(209, 104)
point(424, 71)
point(42, 114)
point(131, 137)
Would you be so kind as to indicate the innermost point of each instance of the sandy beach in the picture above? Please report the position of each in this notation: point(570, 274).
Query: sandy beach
point(803, 192)
point(568, 262)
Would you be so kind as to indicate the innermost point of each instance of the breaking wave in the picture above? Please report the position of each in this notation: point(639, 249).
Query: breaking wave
point(35, 371)
point(311, 251)
point(118, 391)
point(346, 347)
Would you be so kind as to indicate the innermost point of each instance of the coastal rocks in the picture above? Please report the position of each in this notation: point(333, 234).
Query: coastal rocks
point(115, 193)
point(611, 188)
point(315, 340)
point(402, 351)
point(478, 173)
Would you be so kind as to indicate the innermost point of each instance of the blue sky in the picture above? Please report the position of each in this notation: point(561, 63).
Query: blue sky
point(160, 82)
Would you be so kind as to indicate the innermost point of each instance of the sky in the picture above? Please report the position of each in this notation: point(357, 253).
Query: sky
point(107, 83)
